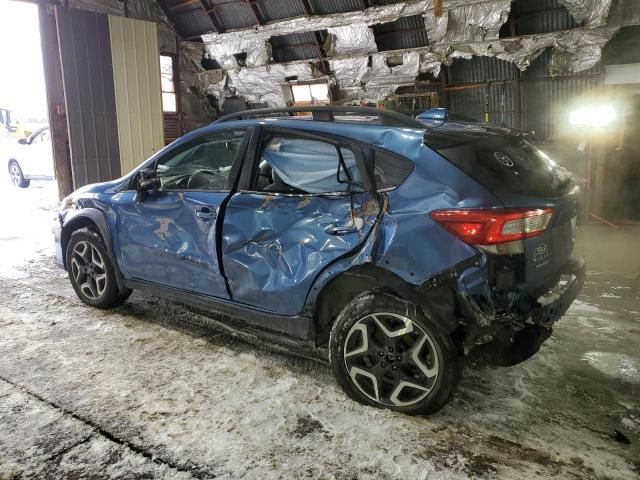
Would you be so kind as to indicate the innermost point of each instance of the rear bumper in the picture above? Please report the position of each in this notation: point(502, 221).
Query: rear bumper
point(557, 301)
point(501, 335)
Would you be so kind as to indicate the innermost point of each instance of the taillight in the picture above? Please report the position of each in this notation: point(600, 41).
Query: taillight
point(495, 226)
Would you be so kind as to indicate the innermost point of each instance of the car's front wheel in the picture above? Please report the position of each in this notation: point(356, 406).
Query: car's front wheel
point(386, 353)
point(16, 175)
point(91, 271)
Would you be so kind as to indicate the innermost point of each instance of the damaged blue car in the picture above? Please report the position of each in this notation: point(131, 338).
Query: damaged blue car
point(399, 248)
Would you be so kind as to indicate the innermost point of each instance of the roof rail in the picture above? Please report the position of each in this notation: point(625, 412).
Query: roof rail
point(326, 114)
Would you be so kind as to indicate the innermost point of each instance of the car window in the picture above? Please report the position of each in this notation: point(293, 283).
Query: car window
point(200, 164)
point(390, 170)
point(37, 138)
point(299, 165)
point(509, 164)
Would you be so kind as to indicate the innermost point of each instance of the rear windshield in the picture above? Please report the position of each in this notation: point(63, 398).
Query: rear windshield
point(504, 163)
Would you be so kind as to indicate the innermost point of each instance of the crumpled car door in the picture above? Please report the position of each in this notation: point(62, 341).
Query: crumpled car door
point(274, 245)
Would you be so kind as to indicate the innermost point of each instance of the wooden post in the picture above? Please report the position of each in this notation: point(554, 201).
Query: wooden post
point(437, 8)
point(55, 99)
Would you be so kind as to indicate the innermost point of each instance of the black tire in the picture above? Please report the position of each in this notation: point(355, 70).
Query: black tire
point(96, 286)
point(425, 356)
point(16, 175)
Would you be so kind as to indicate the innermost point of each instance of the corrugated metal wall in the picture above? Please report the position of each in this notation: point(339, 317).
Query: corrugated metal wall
point(297, 46)
point(406, 32)
point(136, 76)
point(541, 16)
point(233, 14)
point(546, 101)
point(89, 95)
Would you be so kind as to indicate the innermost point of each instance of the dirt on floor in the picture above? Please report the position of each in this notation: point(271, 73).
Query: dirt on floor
point(155, 390)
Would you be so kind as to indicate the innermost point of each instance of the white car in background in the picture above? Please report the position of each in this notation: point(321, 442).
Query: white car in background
point(31, 158)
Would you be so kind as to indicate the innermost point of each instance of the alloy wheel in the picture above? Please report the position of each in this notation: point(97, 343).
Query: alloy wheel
point(15, 174)
point(88, 270)
point(391, 359)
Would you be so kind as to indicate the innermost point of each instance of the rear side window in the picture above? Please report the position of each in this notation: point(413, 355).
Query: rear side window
point(509, 164)
point(390, 170)
point(300, 165)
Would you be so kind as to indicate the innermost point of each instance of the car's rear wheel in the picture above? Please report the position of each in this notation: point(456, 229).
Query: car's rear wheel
point(386, 353)
point(16, 175)
point(91, 271)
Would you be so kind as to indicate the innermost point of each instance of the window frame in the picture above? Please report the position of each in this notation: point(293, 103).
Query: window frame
point(174, 76)
point(234, 172)
point(249, 173)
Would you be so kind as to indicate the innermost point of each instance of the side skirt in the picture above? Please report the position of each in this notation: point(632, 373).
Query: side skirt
point(299, 327)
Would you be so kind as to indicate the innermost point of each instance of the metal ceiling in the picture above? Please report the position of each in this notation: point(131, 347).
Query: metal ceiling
point(196, 17)
point(541, 16)
point(298, 46)
point(406, 32)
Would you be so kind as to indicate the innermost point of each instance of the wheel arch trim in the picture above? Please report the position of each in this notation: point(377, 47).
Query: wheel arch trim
point(434, 298)
point(88, 217)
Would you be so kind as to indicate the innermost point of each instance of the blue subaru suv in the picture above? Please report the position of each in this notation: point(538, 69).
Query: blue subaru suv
point(400, 247)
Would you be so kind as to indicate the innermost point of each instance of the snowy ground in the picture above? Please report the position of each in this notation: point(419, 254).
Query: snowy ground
point(152, 390)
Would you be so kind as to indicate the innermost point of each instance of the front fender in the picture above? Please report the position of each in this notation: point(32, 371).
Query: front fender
point(89, 218)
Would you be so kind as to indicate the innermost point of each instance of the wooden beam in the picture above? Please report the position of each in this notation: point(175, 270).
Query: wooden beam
point(255, 11)
point(306, 7)
point(318, 42)
point(437, 8)
point(55, 99)
point(214, 20)
point(184, 3)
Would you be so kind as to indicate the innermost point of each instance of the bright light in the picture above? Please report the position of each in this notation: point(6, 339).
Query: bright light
point(593, 116)
point(309, 93)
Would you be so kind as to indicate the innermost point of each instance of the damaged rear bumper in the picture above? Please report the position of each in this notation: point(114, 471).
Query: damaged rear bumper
point(555, 303)
point(509, 334)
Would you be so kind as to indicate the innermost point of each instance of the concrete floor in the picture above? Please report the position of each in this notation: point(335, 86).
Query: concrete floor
point(152, 390)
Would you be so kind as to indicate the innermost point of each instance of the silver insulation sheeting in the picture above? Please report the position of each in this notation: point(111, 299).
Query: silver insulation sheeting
point(356, 39)
point(592, 12)
point(472, 23)
point(382, 80)
point(264, 83)
point(574, 51)
point(466, 28)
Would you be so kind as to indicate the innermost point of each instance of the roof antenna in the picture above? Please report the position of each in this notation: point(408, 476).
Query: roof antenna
point(434, 117)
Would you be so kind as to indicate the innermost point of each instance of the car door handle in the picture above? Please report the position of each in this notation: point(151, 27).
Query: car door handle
point(337, 229)
point(205, 214)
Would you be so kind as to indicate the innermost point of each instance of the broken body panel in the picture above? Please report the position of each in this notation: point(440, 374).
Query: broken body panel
point(290, 262)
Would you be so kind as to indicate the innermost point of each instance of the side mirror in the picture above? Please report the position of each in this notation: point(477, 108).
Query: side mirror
point(148, 181)
point(23, 141)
